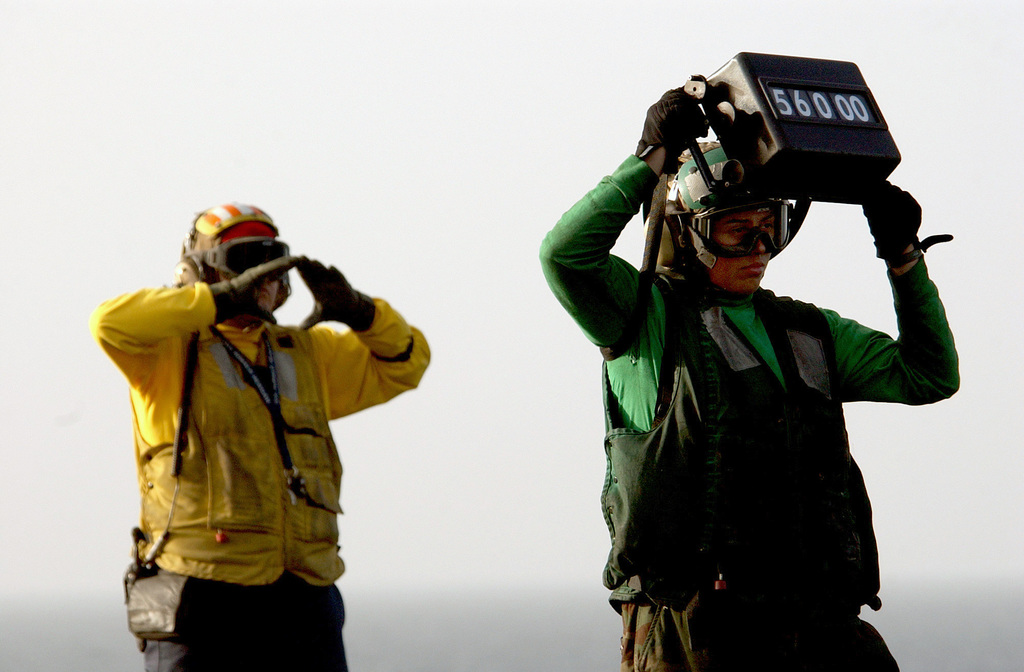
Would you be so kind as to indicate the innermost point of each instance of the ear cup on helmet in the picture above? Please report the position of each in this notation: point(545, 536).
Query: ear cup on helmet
point(186, 272)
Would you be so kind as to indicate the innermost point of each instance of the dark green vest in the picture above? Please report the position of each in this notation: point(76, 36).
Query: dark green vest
point(739, 476)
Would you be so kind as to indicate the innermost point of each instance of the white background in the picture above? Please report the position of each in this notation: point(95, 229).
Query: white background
point(425, 149)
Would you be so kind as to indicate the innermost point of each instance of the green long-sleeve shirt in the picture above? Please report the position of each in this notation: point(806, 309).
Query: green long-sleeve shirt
point(599, 291)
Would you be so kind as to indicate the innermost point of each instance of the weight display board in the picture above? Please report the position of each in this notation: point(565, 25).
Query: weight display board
point(800, 126)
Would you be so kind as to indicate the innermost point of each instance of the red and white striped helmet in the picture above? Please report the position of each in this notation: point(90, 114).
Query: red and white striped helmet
point(212, 227)
point(215, 221)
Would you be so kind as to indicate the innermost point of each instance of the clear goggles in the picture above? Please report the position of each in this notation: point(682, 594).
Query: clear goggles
point(735, 231)
point(240, 254)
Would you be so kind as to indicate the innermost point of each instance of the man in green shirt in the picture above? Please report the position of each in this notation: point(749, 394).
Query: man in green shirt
point(740, 526)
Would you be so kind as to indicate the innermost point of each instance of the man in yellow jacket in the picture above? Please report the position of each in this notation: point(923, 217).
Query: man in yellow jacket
point(244, 501)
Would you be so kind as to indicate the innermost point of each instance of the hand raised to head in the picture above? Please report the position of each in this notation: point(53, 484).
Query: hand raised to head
point(333, 297)
point(240, 295)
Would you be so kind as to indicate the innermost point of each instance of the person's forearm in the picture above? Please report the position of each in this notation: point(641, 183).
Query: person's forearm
point(137, 330)
point(926, 341)
point(919, 367)
point(362, 369)
point(134, 322)
point(597, 289)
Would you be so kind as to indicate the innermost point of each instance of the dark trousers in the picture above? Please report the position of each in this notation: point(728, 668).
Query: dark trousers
point(662, 639)
point(288, 625)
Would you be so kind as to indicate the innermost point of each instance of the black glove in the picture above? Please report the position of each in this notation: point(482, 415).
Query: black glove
point(241, 294)
point(334, 299)
point(894, 218)
point(670, 122)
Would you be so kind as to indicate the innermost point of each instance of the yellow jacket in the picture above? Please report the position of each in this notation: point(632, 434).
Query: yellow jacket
point(234, 519)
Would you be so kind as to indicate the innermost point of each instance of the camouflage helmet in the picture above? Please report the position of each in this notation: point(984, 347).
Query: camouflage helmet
point(692, 206)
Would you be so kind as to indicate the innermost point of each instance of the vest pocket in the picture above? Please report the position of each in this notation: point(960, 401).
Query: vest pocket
point(322, 526)
point(649, 502)
point(245, 480)
point(320, 520)
point(811, 363)
point(317, 460)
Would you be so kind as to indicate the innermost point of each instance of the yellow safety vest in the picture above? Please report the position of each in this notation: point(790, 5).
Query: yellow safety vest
point(235, 519)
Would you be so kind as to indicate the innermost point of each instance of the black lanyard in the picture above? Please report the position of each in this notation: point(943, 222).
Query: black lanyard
point(272, 400)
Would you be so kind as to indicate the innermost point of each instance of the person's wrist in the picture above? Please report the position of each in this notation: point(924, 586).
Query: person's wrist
point(655, 159)
point(357, 312)
point(225, 300)
point(905, 261)
point(364, 313)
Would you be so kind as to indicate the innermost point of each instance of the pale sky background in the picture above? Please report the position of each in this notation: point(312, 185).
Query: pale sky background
point(425, 149)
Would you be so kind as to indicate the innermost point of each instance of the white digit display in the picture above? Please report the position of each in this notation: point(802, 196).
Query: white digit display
point(860, 108)
point(782, 103)
point(822, 106)
point(802, 106)
point(843, 105)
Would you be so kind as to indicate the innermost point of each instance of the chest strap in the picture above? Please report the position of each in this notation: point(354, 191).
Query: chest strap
point(272, 400)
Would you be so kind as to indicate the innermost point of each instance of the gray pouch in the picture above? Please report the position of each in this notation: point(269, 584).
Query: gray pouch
point(153, 601)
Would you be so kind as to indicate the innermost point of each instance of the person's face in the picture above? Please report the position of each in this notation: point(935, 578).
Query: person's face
point(241, 254)
point(741, 275)
point(272, 294)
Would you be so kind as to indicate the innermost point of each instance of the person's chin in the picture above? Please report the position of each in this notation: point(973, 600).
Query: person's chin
point(244, 321)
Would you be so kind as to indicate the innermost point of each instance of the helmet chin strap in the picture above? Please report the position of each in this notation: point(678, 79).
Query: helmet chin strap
point(704, 255)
